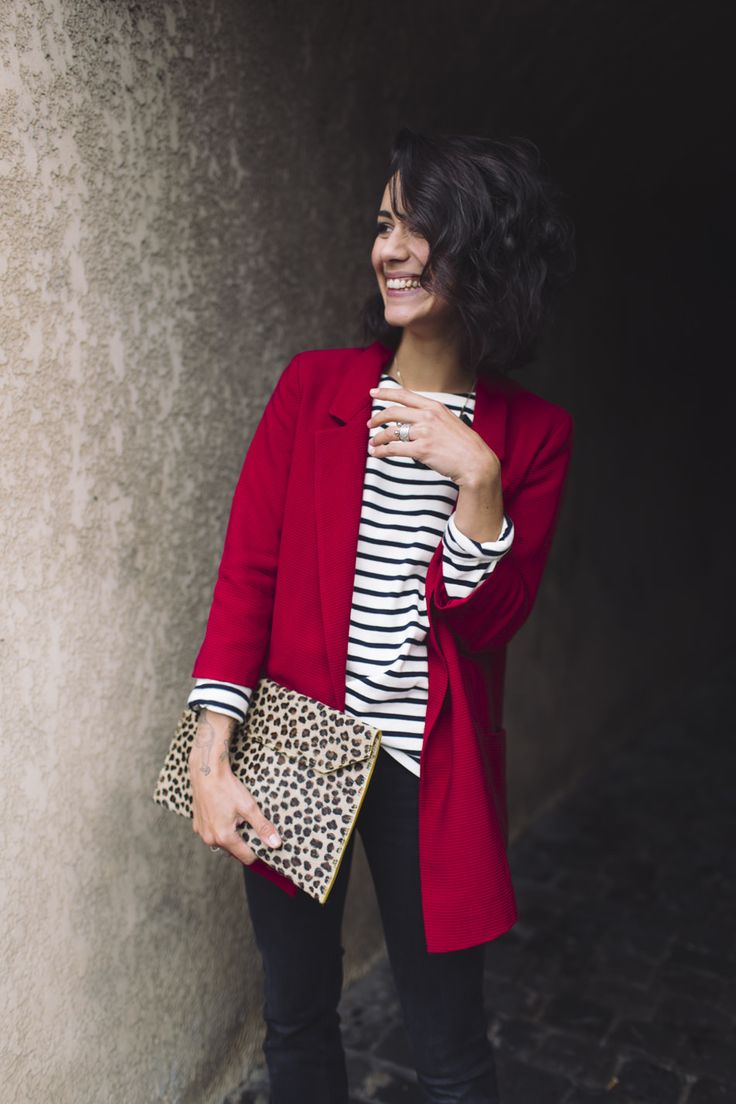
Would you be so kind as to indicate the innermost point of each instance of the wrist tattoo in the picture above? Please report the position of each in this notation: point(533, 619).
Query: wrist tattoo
point(204, 740)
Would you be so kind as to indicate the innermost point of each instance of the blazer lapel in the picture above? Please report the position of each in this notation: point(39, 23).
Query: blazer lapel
point(341, 453)
point(340, 458)
point(489, 415)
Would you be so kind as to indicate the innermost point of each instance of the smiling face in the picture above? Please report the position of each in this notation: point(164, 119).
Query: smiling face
point(398, 258)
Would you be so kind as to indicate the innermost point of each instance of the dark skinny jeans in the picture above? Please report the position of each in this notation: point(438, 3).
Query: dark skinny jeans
point(300, 943)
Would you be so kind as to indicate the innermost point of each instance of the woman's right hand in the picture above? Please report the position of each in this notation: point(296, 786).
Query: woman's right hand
point(220, 800)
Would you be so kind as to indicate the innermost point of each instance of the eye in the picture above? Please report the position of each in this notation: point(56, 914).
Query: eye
point(383, 228)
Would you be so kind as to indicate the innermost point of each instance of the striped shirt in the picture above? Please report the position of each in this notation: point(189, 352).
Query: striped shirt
point(406, 511)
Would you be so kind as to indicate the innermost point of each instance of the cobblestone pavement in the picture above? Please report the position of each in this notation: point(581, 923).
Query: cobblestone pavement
point(617, 982)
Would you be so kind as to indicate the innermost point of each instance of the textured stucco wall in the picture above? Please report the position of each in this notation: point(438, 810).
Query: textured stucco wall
point(187, 193)
point(153, 242)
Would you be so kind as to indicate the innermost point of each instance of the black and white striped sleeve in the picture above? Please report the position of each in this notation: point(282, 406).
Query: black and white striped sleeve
point(466, 563)
point(220, 697)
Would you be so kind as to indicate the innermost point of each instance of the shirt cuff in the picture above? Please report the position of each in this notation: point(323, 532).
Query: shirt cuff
point(466, 562)
point(220, 697)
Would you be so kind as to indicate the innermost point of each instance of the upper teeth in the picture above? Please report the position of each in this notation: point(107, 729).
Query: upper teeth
point(401, 282)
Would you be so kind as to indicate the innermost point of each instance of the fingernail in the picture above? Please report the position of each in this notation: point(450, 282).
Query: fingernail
point(371, 450)
point(274, 839)
point(373, 391)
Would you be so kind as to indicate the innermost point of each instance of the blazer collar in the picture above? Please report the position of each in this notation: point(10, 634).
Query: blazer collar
point(352, 400)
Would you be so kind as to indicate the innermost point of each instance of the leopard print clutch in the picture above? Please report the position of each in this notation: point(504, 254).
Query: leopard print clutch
point(307, 766)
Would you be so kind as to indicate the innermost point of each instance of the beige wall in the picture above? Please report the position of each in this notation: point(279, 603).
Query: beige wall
point(153, 285)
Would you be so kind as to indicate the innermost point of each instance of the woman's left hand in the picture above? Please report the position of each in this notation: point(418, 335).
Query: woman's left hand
point(438, 438)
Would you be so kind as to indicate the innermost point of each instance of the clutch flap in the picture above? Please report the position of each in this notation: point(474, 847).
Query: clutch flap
point(299, 727)
point(323, 755)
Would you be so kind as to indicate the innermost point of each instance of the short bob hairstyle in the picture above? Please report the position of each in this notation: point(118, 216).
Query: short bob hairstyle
point(498, 245)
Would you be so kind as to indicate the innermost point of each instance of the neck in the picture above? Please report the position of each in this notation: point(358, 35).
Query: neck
point(430, 364)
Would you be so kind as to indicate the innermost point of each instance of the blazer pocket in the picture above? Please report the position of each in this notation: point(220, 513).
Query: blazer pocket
point(493, 747)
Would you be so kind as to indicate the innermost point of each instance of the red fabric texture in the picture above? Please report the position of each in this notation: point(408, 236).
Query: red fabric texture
point(282, 599)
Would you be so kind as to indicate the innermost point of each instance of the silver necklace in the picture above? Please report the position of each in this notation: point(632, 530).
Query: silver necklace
point(467, 397)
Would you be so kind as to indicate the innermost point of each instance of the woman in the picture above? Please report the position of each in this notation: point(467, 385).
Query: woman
point(386, 540)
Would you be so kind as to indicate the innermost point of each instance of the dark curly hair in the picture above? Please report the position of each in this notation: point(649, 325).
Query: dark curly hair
point(498, 244)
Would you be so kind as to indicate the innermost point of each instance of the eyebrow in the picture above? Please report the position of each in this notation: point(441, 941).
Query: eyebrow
point(385, 214)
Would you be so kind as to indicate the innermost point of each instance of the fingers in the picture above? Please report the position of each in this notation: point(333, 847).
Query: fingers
point(396, 448)
point(248, 810)
point(402, 394)
point(216, 822)
point(389, 434)
point(396, 414)
point(236, 845)
point(435, 437)
point(424, 422)
point(239, 849)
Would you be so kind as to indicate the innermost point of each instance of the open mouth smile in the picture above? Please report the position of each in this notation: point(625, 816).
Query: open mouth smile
point(400, 286)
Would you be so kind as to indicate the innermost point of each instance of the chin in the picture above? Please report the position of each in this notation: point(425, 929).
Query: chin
point(400, 316)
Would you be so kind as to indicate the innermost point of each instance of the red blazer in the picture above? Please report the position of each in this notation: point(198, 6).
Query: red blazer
point(282, 601)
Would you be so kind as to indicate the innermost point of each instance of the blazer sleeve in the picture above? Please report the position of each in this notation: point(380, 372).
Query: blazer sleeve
point(239, 622)
point(490, 615)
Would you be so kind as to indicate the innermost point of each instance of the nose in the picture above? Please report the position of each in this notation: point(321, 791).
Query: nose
point(394, 247)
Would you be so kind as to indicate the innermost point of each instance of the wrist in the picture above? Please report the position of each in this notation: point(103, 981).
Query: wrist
point(483, 480)
point(210, 750)
point(479, 511)
point(215, 718)
point(213, 764)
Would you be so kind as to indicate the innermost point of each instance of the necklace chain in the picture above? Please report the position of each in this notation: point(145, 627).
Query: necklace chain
point(467, 397)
